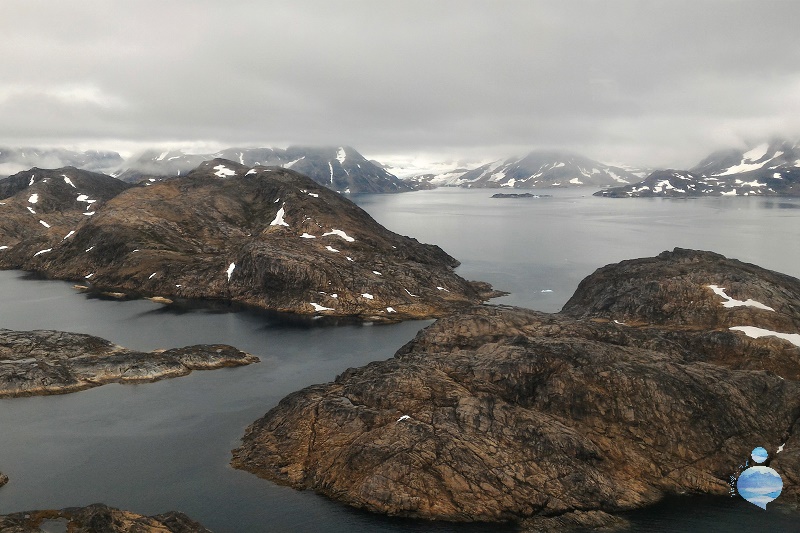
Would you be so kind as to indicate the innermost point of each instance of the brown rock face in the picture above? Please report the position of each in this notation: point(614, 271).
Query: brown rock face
point(3, 479)
point(267, 237)
point(99, 518)
point(39, 208)
point(509, 414)
point(55, 362)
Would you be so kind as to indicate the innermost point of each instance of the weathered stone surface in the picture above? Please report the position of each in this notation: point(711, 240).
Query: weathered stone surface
point(597, 521)
point(267, 237)
point(39, 208)
point(508, 414)
point(56, 362)
point(99, 518)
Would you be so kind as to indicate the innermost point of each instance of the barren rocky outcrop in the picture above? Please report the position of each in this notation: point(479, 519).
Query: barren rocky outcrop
point(56, 362)
point(638, 389)
point(98, 518)
point(263, 236)
point(40, 209)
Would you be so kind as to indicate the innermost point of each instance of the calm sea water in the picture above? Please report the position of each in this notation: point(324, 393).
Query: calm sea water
point(166, 446)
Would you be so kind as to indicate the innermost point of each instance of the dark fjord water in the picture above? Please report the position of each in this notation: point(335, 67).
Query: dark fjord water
point(163, 446)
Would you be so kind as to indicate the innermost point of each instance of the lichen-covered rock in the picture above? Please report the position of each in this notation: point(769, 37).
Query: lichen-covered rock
point(507, 414)
point(99, 518)
point(57, 362)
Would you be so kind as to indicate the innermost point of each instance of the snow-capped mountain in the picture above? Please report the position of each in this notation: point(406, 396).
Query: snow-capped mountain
point(769, 169)
point(539, 168)
point(758, 162)
point(13, 160)
point(341, 168)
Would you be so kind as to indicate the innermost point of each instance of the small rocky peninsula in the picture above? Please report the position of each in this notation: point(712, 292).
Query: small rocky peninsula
point(263, 236)
point(98, 518)
point(657, 378)
point(55, 362)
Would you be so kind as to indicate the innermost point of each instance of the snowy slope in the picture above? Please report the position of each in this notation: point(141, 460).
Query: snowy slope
point(341, 168)
point(537, 169)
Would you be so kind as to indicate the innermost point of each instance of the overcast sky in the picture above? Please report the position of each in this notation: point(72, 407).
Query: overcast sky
point(638, 82)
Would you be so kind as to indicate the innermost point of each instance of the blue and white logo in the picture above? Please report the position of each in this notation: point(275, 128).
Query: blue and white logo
point(759, 485)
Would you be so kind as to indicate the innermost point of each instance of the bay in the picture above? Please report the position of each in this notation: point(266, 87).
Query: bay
point(165, 446)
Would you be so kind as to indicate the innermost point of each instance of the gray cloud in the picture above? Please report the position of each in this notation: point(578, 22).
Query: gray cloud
point(659, 83)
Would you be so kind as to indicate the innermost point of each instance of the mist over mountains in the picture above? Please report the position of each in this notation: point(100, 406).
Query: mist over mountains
point(771, 168)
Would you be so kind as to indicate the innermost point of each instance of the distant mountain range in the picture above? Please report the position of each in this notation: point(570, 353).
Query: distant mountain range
point(13, 160)
point(769, 169)
point(540, 168)
point(772, 168)
point(341, 169)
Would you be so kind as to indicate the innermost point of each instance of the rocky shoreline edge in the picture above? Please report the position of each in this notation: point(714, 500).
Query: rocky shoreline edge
point(657, 378)
point(98, 518)
point(42, 362)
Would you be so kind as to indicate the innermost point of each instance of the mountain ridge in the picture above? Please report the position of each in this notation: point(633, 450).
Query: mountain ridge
point(263, 236)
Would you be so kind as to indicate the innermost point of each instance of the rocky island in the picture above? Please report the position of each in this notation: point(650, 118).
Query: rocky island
point(657, 378)
point(98, 518)
point(56, 362)
point(519, 195)
point(263, 236)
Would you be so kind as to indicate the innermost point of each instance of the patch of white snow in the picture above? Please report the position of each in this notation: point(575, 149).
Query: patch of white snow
point(731, 302)
point(231, 267)
point(279, 221)
point(756, 153)
point(223, 172)
point(340, 233)
point(754, 332)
